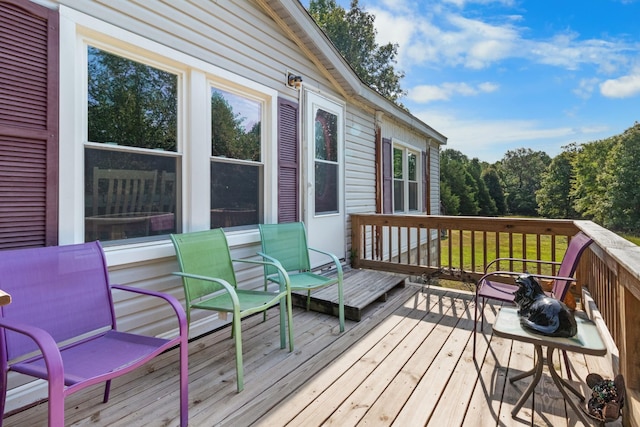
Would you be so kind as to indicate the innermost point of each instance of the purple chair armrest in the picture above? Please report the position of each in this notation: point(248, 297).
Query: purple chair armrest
point(48, 347)
point(177, 307)
point(515, 274)
point(532, 261)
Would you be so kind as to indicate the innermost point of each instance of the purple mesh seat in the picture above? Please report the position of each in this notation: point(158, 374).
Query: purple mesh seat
point(491, 289)
point(62, 309)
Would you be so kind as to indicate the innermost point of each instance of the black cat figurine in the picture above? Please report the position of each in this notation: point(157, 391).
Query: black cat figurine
point(541, 313)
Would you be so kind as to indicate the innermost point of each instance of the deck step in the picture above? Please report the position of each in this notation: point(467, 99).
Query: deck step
point(361, 288)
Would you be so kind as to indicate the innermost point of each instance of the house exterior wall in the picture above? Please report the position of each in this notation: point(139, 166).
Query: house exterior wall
point(239, 40)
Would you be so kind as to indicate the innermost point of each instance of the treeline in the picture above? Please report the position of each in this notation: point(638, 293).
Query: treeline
point(599, 180)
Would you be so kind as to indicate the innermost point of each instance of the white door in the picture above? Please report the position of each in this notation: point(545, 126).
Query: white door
point(323, 200)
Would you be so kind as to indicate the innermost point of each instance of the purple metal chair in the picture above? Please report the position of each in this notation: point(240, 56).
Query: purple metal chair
point(62, 308)
point(488, 289)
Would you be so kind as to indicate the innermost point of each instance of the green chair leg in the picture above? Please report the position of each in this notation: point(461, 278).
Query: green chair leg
point(238, 343)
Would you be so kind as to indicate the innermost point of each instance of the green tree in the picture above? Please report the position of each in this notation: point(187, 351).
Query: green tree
point(486, 204)
point(228, 135)
point(469, 204)
point(456, 179)
point(130, 103)
point(555, 199)
point(353, 34)
point(621, 180)
point(521, 171)
point(588, 189)
point(494, 187)
point(449, 202)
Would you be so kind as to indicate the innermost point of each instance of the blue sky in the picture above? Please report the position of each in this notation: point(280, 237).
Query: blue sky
point(497, 75)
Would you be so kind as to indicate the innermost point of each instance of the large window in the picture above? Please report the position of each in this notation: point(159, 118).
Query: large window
point(131, 150)
point(405, 180)
point(237, 170)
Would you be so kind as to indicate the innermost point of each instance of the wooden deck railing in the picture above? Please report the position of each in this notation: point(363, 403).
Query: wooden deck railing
point(459, 248)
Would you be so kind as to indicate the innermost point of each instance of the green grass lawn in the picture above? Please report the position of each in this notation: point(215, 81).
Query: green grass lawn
point(533, 251)
point(632, 239)
point(512, 249)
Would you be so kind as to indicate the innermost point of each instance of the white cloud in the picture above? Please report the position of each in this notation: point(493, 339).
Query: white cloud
point(462, 3)
point(622, 87)
point(394, 28)
point(567, 51)
point(490, 139)
point(586, 87)
point(442, 36)
point(467, 42)
point(443, 92)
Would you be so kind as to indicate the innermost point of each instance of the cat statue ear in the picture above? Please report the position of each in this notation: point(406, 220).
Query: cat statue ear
point(541, 313)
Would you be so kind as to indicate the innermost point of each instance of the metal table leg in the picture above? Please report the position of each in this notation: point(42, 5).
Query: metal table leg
point(537, 374)
point(563, 386)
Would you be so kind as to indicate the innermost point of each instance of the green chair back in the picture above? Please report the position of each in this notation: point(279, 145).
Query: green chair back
point(288, 244)
point(204, 253)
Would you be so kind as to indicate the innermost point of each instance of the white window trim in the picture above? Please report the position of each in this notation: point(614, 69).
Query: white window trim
point(407, 148)
point(76, 29)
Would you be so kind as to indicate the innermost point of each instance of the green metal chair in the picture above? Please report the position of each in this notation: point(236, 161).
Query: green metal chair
point(210, 283)
point(287, 244)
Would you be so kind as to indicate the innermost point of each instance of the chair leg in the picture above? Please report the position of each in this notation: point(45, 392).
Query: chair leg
point(107, 390)
point(56, 402)
point(237, 334)
point(283, 334)
point(289, 304)
point(3, 395)
point(475, 328)
point(341, 305)
point(184, 381)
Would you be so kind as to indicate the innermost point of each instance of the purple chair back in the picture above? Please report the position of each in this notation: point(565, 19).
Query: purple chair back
point(65, 295)
point(576, 247)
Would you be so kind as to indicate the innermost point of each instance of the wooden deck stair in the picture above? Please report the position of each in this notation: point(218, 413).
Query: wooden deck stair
point(361, 289)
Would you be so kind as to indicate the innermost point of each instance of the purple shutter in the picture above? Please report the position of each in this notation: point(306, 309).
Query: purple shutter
point(29, 63)
point(387, 176)
point(425, 182)
point(288, 161)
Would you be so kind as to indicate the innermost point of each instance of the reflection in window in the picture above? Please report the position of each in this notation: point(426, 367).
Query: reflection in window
point(235, 194)
point(398, 180)
point(129, 193)
point(236, 169)
point(130, 103)
point(326, 162)
point(412, 181)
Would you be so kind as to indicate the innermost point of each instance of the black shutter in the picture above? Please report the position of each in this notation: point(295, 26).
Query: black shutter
point(29, 63)
point(288, 161)
point(387, 176)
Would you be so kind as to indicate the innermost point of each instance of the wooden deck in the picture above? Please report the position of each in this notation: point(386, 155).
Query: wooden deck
point(360, 289)
point(406, 363)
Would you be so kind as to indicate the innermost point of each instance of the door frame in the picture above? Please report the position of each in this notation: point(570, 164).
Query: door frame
point(326, 231)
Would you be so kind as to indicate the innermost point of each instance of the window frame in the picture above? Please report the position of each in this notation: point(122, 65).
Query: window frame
point(177, 155)
point(406, 150)
point(264, 102)
point(193, 140)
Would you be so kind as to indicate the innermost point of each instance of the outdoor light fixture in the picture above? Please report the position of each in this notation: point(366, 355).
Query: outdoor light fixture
point(294, 81)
